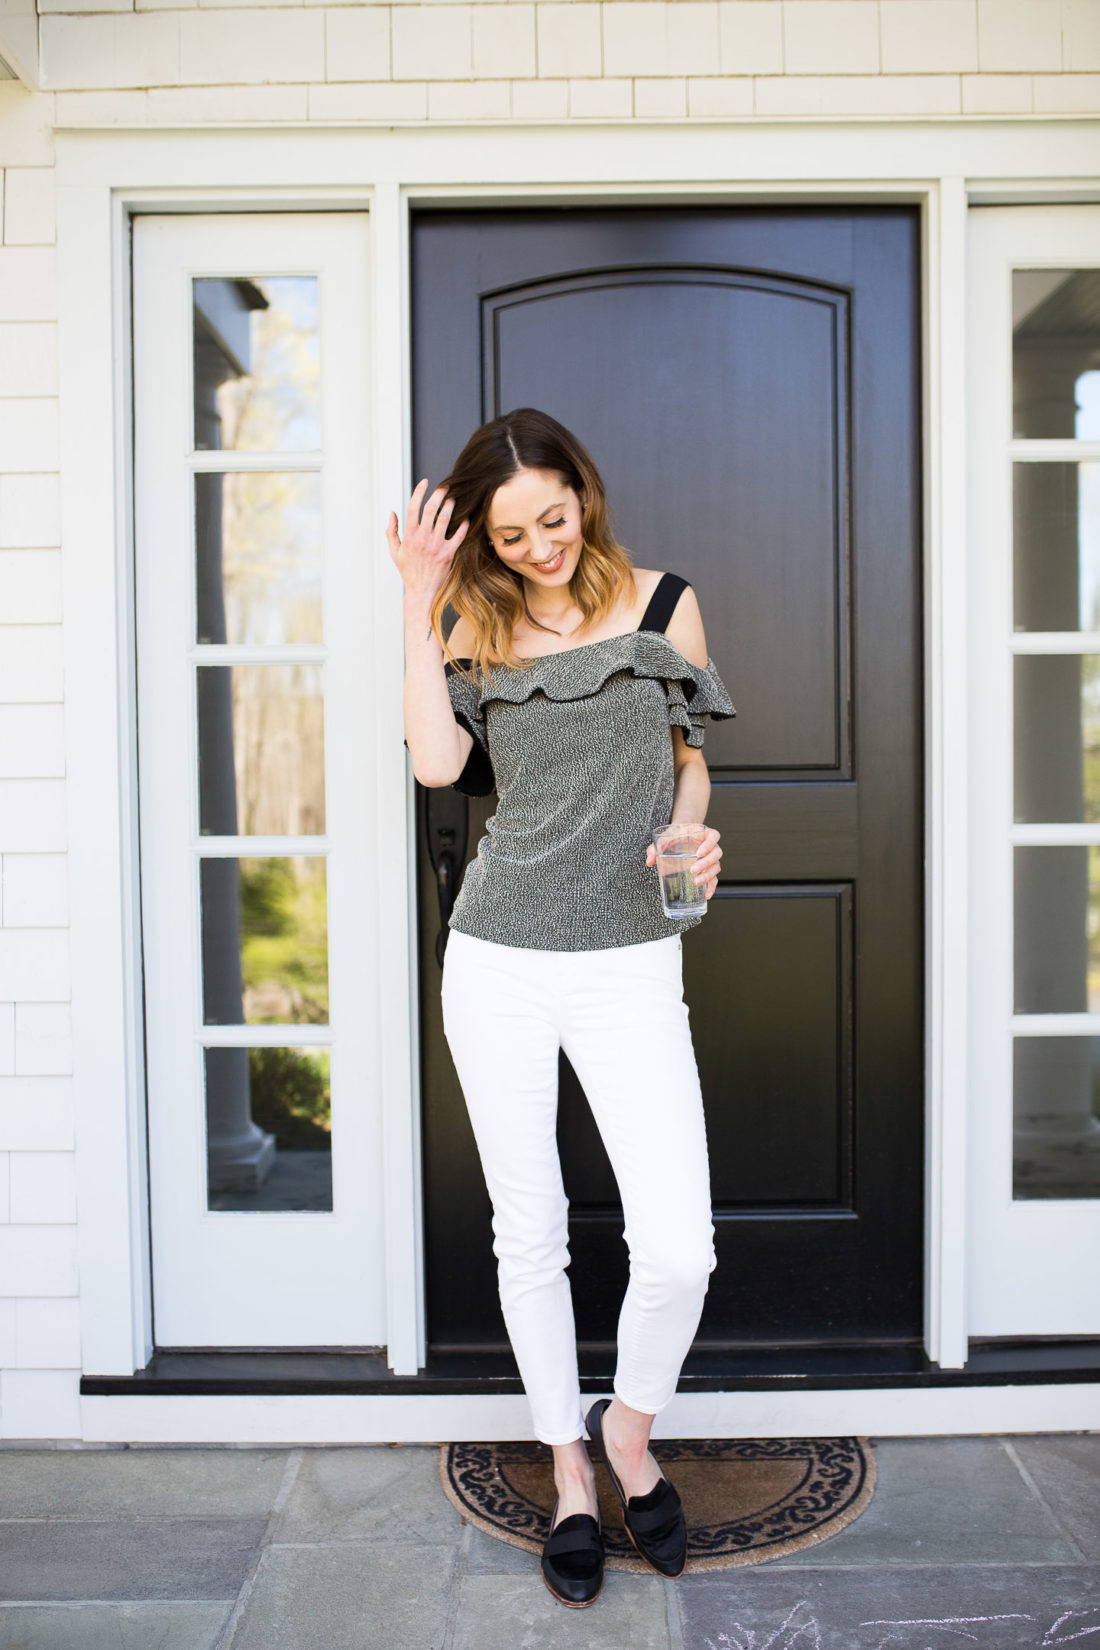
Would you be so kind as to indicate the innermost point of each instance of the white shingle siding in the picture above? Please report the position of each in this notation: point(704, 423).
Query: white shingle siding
point(121, 49)
point(432, 43)
point(750, 37)
point(504, 41)
point(569, 39)
point(1061, 94)
point(36, 1115)
point(47, 1333)
point(35, 890)
point(1080, 34)
point(30, 661)
point(929, 36)
point(44, 1048)
point(34, 962)
point(1018, 34)
point(232, 62)
point(37, 1259)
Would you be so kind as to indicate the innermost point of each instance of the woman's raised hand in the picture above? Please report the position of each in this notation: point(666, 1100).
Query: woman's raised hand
point(423, 557)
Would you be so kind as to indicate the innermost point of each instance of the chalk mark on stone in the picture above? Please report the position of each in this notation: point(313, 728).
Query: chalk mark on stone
point(1068, 1638)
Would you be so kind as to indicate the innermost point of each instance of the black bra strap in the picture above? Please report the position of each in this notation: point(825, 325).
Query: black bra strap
point(670, 586)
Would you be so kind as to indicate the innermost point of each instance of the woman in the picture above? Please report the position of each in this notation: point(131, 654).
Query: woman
point(575, 685)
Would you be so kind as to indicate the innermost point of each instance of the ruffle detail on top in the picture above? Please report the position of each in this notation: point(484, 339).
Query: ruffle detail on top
point(476, 778)
point(694, 692)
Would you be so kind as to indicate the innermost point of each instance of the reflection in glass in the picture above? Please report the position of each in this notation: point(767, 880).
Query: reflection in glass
point(268, 1128)
point(1056, 546)
point(1057, 930)
point(1056, 736)
point(261, 750)
point(1088, 406)
point(257, 363)
point(264, 941)
point(1055, 349)
point(1056, 1117)
point(258, 556)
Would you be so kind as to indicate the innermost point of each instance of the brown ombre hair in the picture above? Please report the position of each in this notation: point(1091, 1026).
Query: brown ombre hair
point(482, 588)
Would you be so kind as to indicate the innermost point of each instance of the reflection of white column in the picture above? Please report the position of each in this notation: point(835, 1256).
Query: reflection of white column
point(1053, 1114)
point(239, 1154)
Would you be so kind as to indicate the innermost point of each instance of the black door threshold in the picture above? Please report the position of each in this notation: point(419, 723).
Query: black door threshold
point(313, 1373)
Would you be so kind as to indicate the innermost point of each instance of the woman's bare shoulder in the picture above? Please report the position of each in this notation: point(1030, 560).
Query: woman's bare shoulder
point(685, 628)
point(646, 580)
point(461, 639)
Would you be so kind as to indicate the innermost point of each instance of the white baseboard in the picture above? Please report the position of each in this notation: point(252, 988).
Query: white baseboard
point(433, 1418)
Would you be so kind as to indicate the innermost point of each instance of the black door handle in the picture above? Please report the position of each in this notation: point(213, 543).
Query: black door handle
point(446, 824)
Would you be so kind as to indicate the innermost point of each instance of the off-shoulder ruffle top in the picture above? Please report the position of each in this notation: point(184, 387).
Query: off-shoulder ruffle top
point(578, 747)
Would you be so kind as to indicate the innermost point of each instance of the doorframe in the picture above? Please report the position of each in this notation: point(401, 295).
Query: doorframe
point(105, 175)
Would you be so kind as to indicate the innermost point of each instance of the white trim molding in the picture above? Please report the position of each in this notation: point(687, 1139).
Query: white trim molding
point(483, 1417)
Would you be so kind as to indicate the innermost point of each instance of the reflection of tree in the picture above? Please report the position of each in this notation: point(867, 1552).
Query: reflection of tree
point(276, 406)
point(284, 953)
point(271, 522)
point(291, 1096)
point(278, 740)
point(271, 555)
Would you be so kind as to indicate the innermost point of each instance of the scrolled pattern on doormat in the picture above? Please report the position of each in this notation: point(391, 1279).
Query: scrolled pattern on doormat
point(746, 1500)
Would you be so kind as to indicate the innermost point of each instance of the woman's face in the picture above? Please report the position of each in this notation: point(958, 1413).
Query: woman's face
point(534, 525)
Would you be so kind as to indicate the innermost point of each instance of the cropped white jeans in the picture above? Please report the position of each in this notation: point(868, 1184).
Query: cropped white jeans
point(620, 1016)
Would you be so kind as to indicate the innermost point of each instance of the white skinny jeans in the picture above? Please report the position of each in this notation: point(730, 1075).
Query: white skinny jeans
point(620, 1016)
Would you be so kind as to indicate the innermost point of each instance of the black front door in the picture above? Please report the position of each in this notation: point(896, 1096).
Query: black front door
point(747, 381)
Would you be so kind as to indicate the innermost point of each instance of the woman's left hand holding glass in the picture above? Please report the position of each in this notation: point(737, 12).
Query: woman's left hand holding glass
point(707, 864)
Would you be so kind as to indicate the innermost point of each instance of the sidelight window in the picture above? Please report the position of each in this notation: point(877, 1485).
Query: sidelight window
point(259, 702)
point(1056, 731)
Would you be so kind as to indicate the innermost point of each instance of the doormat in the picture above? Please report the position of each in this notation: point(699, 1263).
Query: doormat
point(746, 1500)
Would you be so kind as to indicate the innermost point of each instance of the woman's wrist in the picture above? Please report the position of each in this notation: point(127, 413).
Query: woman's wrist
point(418, 617)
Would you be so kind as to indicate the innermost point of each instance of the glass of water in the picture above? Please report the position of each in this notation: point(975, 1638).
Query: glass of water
point(676, 846)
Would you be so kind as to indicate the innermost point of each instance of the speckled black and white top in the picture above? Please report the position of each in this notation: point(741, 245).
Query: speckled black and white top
point(578, 747)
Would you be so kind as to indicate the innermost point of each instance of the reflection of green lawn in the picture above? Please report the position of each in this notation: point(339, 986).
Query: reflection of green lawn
point(284, 945)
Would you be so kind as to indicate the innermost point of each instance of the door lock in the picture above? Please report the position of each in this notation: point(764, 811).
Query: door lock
point(446, 819)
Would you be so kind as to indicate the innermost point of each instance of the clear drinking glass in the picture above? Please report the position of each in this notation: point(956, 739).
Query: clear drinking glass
point(676, 846)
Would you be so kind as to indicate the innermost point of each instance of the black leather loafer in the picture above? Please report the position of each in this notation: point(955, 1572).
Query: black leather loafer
point(572, 1558)
point(654, 1522)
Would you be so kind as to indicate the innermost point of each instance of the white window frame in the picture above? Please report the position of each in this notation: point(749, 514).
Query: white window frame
point(1024, 1254)
point(269, 1276)
point(103, 176)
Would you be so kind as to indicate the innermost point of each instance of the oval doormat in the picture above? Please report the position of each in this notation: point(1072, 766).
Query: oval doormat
point(745, 1499)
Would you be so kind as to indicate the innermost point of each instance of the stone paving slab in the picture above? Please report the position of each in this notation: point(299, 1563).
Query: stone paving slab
point(1066, 1470)
point(487, 1554)
point(112, 1626)
point(979, 1607)
point(519, 1613)
point(370, 1492)
point(945, 1501)
point(156, 1558)
point(348, 1597)
point(227, 1483)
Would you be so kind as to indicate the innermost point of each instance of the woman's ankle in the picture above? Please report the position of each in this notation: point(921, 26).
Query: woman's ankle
point(627, 1429)
point(573, 1465)
point(574, 1477)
